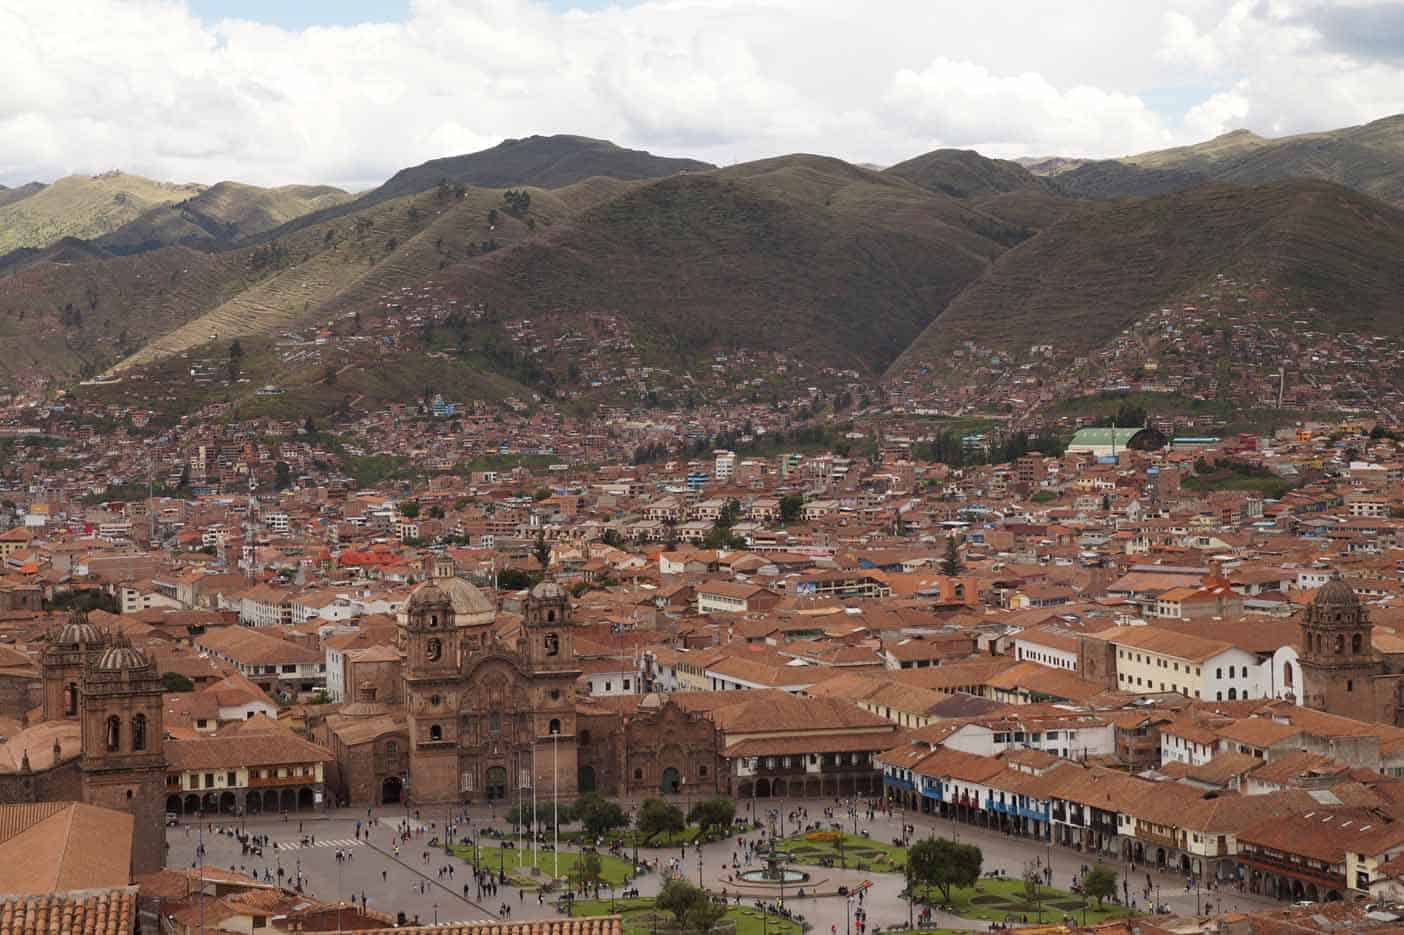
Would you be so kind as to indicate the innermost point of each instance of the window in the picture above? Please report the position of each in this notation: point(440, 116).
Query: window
point(434, 650)
point(139, 732)
point(608, 686)
point(1356, 642)
point(552, 642)
point(231, 778)
point(209, 780)
point(494, 722)
point(1219, 673)
point(391, 748)
point(1350, 685)
point(555, 694)
point(436, 732)
point(626, 684)
point(638, 774)
point(70, 699)
point(1340, 643)
point(114, 734)
point(702, 771)
point(555, 726)
point(287, 670)
point(434, 700)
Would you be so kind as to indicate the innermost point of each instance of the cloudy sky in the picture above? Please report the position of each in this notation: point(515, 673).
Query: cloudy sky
point(346, 92)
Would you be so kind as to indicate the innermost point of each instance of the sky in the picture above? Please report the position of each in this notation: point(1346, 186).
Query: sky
point(346, 92)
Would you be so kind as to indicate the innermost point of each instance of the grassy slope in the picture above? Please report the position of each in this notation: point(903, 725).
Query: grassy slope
point(57, 317)
point(1367, 158)
point(9, 196)
point(83, 206)
point(804, 254)
point(1081, 281)
point(221, 214)
point(351, 262)
point(962, 173)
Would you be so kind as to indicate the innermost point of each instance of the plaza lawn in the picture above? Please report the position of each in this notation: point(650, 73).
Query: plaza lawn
point(517, 864)
point(858, 853)
point(637, 917)
point(996, 900)
point(631, 837)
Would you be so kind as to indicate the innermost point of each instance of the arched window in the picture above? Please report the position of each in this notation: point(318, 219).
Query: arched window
point(555, 727)
point(1287, 675)
point(114, 733)
point(433, 621)
point(434, 700)
point(70, 699)
point(434, 650)
point(552, 642)
point(1219, 673)
point(550, 616)
point(1340, 643)
point(1357, 643)
point(1218, 696)
point(638, 774)
point(436, 732)
point(139, 732)
point(1233, 694)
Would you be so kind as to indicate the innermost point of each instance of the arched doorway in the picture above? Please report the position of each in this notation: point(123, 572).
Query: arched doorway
point(762, 788)
point(306, 798)
point(391, 790)
point(173, 804)
point(585, 779)
point(227, 803)
point(496, 783)
point(270, 800)
point(209, 804)
point(672, 781)
point(192, 804)
point(288, 800)
point(745, 790)
point(253, 803)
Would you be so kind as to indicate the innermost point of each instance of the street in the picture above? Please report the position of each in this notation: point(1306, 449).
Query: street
point(395, 876)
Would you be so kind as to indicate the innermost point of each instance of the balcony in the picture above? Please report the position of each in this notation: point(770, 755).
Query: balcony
point(275, 782)
point(1299, 871)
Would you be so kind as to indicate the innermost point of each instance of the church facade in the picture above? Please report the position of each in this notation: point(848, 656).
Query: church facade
point(104, 729)
point(490, 720)
point(1342, 671)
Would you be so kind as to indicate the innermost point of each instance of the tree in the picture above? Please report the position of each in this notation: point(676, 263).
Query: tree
point(329, 376)
point(791, 507)
point(611, 537)
point(951, 565)
point(492, 217)
point(513, 579)
point(542, 550)
point(409, 509)
point(1033, 890)
point(589, 871)
point(944, 864)
point(690, 905)
point(659, 817)
point(175, 682)
point(714, 814)
point(1099, 882)
point(282, 476)
point(598, 815)
point(236, 350)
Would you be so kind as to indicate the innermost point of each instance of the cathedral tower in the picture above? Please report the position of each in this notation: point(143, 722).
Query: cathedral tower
point(549, 647)
point(123, 764)
point(1336, 656)
point(431, 667)
point(72, 650)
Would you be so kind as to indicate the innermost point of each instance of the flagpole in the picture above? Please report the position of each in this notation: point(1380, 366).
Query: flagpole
point(555, 804)
point(533, 805)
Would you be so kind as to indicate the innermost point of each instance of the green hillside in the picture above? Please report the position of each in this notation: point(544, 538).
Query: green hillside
point(220, 215)
point(1084, 279)
point(83, 206)
point(962, 173)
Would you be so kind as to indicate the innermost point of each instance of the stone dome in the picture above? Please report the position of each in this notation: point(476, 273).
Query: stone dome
point(80, 631)
point(427, 594)
point(548, 591)
point(117, 658)
point(1336, 593)
point(470, 606)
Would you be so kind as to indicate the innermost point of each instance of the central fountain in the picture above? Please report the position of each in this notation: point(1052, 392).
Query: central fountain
point(774, 872)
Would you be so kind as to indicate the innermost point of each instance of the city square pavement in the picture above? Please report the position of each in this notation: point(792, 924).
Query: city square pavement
point(395, 876)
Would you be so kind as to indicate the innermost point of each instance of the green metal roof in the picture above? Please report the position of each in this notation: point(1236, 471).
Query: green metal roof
point(1104, 437)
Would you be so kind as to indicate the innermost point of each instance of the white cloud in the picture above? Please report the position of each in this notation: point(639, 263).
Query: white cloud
point(966, 105)
point(87, 85)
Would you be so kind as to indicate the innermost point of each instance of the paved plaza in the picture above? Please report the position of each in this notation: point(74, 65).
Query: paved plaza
point(408, 876)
